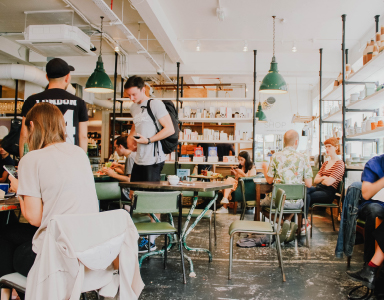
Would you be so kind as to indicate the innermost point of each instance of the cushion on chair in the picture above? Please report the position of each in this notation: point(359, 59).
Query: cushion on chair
point(250, 226)
point(195, 213)
point(15, 281)
point(155, 228)
point(141, 218)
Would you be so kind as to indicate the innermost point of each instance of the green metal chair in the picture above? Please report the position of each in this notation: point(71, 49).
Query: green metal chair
point(162, 203)
point(339, 197)
point(208, 215)
point(260, 227)
point(292, 192)
point(247, 191)
point(111, 192)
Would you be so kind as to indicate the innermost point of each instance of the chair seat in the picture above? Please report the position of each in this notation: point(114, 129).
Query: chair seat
point(251, 203)
point(155, 228)
point(200, 194)
point(324, 205)
point(195, 214)
point(245, 226)
point(360, 222)
point(286, 211)
point(14, 280)
point(141, 218)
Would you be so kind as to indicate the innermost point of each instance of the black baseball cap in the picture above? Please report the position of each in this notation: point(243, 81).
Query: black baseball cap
point(57, 68)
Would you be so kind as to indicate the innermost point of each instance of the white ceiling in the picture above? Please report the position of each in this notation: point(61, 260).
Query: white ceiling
point(174, 26)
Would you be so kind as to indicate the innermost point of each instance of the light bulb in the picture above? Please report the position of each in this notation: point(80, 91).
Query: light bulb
point(117, 49)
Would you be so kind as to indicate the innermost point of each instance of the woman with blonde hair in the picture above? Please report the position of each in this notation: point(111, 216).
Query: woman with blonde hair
point(54, 178)
point(328, 178)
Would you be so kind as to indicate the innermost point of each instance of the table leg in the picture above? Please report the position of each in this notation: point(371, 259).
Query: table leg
point(257, 208)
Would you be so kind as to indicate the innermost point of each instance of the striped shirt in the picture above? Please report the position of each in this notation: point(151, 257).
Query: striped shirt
point(336, 172)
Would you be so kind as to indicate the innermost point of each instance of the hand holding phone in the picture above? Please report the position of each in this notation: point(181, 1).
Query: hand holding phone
point(11, 170)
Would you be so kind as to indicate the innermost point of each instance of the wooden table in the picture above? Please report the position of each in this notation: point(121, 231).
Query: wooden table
point(262, 187)
point(103, 178)
point(9, 204)
point(203, 177)
point(195, 187)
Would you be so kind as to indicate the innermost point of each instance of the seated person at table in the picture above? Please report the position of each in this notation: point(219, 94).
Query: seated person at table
point(5, 160)
point(54, 178)
point(368, 275)
point(245, 169)
point(288, 167)
point(116, 170)
point(327, 179)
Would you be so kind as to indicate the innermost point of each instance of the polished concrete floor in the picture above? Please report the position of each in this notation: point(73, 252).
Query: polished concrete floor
point(312, 273)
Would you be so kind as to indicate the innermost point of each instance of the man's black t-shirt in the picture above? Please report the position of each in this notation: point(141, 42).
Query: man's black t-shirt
point(72, 107)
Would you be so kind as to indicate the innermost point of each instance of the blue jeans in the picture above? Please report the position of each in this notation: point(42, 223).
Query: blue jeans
point(316, 195)
point(368, 213)
point(347, 231)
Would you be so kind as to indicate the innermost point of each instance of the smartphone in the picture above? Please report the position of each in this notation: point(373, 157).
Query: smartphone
point(136, 136)
point(11, 170)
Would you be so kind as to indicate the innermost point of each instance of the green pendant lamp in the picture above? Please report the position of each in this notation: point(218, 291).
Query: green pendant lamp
point(260, 115)
point(99, 81)
point(273, 82)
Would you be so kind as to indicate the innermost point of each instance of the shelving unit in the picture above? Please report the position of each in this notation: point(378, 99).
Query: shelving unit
point(370, 72)
point(215, 142)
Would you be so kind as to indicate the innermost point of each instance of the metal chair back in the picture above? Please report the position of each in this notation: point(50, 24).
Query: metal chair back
point(156, 202)
point(108, 190)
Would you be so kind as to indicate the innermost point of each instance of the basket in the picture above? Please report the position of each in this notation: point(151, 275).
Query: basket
point(187, 201)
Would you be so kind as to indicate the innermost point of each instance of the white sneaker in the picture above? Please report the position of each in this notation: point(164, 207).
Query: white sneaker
point(224, 201)
point(222, 210)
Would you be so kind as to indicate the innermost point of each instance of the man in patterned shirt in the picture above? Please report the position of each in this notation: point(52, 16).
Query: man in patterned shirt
point(289, 167)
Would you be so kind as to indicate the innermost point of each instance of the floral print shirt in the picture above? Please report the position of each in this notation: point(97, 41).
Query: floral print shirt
point(289, 167)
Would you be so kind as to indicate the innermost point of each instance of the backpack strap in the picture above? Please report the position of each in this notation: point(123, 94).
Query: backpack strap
point(150, 113)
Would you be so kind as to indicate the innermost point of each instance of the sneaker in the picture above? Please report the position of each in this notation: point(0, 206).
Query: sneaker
point(291, 233)
point(222, 210)
point(303, 229)
point(224, 200)
point(143, 246)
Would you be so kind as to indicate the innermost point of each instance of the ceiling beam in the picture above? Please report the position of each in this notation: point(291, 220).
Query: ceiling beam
point(156, 20)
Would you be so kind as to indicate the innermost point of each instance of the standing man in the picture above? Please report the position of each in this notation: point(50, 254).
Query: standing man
point(289, 167)
point(73, 108)
point(150, 157)
point(145, 140)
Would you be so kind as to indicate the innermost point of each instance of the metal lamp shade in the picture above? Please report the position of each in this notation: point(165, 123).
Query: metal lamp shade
point(99, 81)
point(273, 82)
point(260, 115)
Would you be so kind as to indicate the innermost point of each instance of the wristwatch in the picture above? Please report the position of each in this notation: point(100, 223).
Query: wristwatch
point(149, 141)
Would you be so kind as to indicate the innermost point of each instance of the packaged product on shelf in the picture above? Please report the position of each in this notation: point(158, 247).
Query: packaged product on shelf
point(223, 136)
point(229, 112)
point(198, 159)
point(194, 135)
point(184, 159)
point(212, 112)
point(199, 152)
point(243, 112)
point(230, 159)
point(222, 112)
point(212, 151)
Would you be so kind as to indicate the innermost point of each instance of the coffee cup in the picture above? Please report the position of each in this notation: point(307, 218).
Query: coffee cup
point(173, 179)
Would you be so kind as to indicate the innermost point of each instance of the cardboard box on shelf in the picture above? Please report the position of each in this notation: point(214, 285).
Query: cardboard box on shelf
point(198, 159)
point(230, 159)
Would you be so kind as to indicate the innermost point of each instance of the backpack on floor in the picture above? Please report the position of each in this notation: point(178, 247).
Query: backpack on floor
point(169, 144)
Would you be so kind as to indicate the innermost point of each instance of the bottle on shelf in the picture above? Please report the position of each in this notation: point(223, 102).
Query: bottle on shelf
point(365, 54)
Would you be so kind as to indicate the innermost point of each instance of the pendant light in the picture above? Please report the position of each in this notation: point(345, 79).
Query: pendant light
point(273, 82)
point(99, 81)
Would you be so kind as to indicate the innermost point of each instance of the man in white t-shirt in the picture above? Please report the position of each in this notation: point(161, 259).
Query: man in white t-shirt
point(144, 137)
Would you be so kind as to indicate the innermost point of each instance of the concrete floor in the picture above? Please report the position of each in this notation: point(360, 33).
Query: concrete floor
point(312, 273)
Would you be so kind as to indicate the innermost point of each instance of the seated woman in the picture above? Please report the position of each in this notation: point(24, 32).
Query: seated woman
point(54, 178)
point(328, 178)
point(245, 169)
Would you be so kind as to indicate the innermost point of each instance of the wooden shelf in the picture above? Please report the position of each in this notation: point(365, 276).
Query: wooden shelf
point(214, 142)
point(373, 101)
point(372, 134)
point(370, 72)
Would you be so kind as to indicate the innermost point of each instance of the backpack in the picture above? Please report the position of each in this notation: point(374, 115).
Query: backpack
point(10, 142)
point(169, 144)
